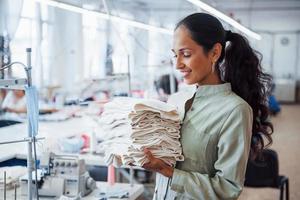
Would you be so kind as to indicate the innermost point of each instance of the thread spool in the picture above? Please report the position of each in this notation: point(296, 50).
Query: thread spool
point(111, 175)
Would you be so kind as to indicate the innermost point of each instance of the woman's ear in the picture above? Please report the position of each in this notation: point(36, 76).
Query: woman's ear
point(216, 52)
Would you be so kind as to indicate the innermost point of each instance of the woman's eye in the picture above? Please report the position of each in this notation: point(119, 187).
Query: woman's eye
point(186, 55)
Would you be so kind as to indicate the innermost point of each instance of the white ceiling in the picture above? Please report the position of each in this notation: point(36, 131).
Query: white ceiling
point(183, 4)
point(164, 12)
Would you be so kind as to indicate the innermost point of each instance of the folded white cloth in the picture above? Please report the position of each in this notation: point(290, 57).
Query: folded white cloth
point(131, 125)
point(167, 111)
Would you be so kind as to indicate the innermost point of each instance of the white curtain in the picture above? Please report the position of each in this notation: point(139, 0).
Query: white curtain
point(65, 49)
point(10, 13)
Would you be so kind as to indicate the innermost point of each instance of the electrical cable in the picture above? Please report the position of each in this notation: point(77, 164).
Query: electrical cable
point(35, 161)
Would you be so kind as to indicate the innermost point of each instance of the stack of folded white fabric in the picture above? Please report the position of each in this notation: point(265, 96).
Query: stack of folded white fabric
point(114, 129)
point(136, 124)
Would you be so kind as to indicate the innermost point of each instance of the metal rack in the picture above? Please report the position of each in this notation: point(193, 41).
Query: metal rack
point(118, 76)
point(30, 139)
point(107, 83)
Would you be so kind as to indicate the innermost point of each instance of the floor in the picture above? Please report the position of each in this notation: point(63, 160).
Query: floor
point(287, 144)
point(286, 141)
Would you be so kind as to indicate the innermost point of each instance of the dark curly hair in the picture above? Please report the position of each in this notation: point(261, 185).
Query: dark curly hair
point(239, 65)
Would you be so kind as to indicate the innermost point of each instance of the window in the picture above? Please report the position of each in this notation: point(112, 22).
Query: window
point(32, 32)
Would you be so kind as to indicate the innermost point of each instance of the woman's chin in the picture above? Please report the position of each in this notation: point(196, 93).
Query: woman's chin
point(189, 81)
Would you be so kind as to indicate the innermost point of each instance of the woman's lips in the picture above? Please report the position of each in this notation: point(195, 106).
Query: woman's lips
point(185, 73)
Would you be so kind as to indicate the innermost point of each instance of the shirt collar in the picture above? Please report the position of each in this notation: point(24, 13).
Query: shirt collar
point(207, 90)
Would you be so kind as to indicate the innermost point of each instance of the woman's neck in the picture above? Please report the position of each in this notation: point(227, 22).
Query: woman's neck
point(212, 79)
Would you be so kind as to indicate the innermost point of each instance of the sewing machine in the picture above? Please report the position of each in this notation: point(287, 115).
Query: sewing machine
point(61, 175)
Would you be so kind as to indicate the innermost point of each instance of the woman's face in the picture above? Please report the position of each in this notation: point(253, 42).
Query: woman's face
point(19, 93)
point(191, 60)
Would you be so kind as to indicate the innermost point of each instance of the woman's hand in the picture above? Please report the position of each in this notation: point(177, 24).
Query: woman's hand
point(157, 165)
point(18, 111)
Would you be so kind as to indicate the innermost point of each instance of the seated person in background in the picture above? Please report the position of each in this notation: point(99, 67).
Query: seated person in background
point(163, 87)
point(3, 93)
point(274, 105)
point(15, 102)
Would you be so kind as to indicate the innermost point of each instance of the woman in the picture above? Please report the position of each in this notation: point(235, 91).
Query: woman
point(164, 86)
point(225, 114)
point(15, 102)
point(13, 105)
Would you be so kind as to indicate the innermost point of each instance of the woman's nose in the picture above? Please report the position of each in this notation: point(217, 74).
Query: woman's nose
point(179, 63)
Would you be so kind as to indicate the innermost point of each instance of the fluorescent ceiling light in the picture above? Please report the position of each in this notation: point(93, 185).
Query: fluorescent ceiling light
point(105, 16)
point(224, 17)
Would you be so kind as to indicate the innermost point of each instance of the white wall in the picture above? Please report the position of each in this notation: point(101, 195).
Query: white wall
point(274, 26)
point(272, 19)
point(285, 55)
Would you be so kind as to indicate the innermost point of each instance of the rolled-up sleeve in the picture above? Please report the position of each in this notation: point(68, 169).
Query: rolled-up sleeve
point(233, 151)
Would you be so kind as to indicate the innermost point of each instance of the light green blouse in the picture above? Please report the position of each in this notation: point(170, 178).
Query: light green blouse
point(215, 138)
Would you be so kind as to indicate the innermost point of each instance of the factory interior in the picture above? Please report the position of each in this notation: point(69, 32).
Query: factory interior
point(149, 99)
